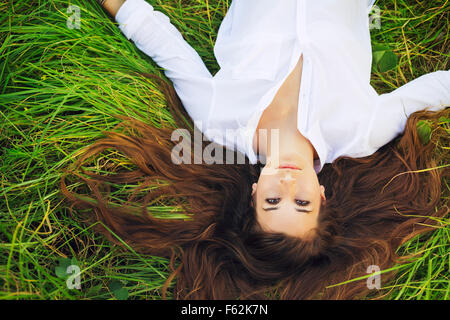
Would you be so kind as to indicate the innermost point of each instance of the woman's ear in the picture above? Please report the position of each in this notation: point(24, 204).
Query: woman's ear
point(254, 189)
point(322, 192)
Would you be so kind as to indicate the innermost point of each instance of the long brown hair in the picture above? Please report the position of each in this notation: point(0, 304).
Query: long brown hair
point(374, 204)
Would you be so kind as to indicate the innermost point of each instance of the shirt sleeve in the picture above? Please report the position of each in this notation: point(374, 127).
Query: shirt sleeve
point(153, 34)
point(430, 91)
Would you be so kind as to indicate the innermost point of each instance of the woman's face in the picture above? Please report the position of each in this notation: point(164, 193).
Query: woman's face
point(287, 198)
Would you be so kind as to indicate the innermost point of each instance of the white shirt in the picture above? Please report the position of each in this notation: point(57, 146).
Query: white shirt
point(258, 44)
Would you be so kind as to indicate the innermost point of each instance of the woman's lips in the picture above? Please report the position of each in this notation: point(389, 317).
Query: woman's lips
point(289, 166)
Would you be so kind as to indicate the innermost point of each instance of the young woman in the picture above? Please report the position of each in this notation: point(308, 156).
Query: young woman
point(293, 93)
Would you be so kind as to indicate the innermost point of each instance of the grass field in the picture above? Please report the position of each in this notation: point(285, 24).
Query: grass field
point(60, 86)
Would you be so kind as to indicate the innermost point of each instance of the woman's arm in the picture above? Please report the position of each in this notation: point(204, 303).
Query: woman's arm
point(153, 34)
point(431, 91)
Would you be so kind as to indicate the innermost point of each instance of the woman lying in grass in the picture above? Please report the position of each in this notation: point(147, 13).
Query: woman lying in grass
point(345, 178)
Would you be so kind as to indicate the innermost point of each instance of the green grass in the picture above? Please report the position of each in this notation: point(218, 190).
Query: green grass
point(59, 88)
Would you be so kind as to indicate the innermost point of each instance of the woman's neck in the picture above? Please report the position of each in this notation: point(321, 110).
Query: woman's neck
point(281, 116)
point(282, 142)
